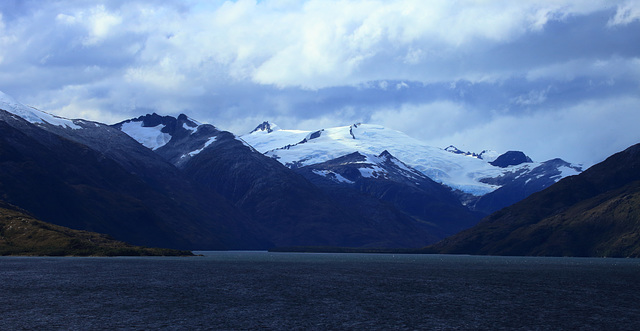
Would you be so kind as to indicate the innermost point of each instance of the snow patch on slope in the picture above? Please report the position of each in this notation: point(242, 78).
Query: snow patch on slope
point(150, 137)
point(568, 171)
point(565, 172)
point(206, 144)
point(190, 128)
point(371, 168)
point(332, 175)
point(372, 172)
point(33, 115)
point(489, 155)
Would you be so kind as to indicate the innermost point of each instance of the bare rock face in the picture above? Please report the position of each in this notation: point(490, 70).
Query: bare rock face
point(511, 158)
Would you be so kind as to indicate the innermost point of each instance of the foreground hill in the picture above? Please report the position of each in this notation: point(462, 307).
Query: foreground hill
point(21, 234)
point(596, 213)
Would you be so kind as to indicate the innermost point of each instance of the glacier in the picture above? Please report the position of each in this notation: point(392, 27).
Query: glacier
point(297, 148)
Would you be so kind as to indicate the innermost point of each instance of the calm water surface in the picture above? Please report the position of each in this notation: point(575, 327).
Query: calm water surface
point(285, 291)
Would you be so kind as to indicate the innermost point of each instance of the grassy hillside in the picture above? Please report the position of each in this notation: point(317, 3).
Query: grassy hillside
point(607, 225)
point(21, 234)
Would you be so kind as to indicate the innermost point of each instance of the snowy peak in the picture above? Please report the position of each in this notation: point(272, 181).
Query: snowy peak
point(355, 167)
point(265, 127)
point(170, 125)
point(33, 115)
point(178, 140)
point(455, 150)
point(154, 131)
point(462, 171)
point(456, 171)
point(351, 168)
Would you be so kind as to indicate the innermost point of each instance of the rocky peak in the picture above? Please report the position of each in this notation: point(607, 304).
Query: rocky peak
point(265, 126)
point(511, 158)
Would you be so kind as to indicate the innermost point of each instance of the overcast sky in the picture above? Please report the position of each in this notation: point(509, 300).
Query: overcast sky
point(552, 78)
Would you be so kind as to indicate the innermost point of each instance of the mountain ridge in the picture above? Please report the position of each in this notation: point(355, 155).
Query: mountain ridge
point(284, 207)
point(271, 188)
point(106, 181)
point(471, 175)
point(594, 213)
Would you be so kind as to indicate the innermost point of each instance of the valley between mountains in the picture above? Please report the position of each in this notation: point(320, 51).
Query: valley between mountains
point(173, 182)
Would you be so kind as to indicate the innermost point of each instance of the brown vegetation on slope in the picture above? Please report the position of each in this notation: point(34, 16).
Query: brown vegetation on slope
point(21, 234)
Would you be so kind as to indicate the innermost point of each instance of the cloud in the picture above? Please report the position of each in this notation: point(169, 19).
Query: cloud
point(427, 121)
point(626, 13)
point(448, 66)
point(587, 132)
point(533, 97)
point(614, 67)
point(313, 45)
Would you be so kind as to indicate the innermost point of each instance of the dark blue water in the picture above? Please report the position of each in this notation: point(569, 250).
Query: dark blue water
point(259, 290)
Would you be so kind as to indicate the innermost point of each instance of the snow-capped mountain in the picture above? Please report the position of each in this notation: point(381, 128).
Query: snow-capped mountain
point(383, 166)
point(90, 176)
point(172, 180)
point(177, 140)
point(286, 209)
point(519, 184)
point(469, 173)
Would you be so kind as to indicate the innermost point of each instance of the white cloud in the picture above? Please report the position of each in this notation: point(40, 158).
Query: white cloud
point(163, 77)
point(601, 68)
point(97, 21)
point(428, 121)
point(101, 23)
point(329, 62)
point(587, 132)
point(626, 13)
point(534, 97)
point(320, 43)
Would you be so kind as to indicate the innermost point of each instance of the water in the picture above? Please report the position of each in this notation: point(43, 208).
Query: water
point(259, 290)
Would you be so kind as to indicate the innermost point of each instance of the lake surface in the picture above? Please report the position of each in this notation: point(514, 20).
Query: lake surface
point(285, 291)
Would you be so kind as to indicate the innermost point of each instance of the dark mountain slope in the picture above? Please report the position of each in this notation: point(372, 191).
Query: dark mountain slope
point(596, 213)
point(511, 158)
point(198, 213)
point(430, 205)
point(286, 208)
point(67, 183)
point(517, 185)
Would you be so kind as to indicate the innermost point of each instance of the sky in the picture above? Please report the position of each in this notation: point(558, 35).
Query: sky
point(554, 78)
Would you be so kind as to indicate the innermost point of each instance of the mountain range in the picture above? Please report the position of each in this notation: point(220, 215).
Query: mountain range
point(484, 182)
point(285, 209)
point(174, 182)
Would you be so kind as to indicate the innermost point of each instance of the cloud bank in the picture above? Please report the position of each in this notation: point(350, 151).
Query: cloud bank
point(555, 79)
